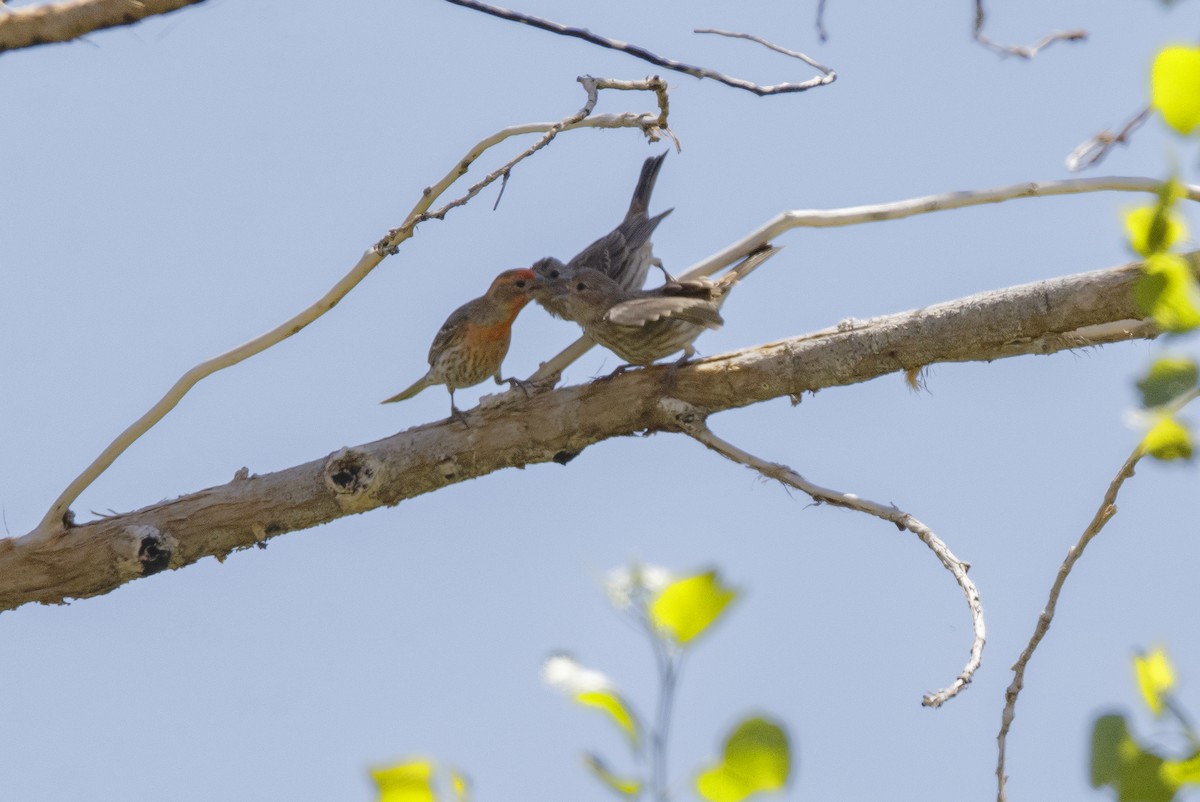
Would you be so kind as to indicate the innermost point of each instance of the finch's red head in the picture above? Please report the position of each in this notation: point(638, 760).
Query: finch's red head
point(513, 284)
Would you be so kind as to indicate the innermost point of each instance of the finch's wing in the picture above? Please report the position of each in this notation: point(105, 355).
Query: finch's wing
point(451, 331)
point(640, 311)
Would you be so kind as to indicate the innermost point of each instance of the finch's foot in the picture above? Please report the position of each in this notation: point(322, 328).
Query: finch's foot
point(667, 277)
point(458, 415)
point(620, 369)
point(514, 384)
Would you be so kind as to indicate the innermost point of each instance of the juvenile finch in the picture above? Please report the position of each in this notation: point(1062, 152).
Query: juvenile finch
point(643, 326)
point(472, 342)
point(625, 253)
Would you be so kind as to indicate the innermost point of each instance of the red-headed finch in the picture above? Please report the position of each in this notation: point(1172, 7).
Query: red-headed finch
point(472, 343)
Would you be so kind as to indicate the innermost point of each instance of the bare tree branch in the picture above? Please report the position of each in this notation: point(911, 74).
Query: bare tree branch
point(829, 76)
point(58, 515)
point(1092, 151)
point(634, 50)
point(1105, 513)
point(694, 424)
point(854, 215)
point(509, 431)
point(62, 22)
point(1021, 51)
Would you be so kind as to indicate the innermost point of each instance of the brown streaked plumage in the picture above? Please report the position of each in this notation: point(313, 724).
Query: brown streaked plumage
point(624, 254)
point(644, 326)
point(471, 345)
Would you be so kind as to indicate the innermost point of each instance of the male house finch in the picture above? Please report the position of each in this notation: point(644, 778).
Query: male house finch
point(642, 326)
point(472, 342)
point(623, 254)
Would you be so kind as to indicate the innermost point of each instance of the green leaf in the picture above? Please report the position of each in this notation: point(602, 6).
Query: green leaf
point(1175, 87)
point(1153, 229)
point(460, 786)
point(623, 786)
point(686, 608)
point(1167, 291)
point(1182, 772)
point(756, 758)
point(1168, 378)
point(1118, 761)
point(1155, 678)
point(405, 782)
point(591, 689)
point(611, 703)
point(1168, 439)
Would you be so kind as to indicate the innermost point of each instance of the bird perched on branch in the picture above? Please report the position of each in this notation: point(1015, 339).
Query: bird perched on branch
point(625, 253)
point(643, 326)
point(472, 343)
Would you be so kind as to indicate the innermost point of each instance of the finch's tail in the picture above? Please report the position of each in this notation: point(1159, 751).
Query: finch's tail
point(740, 271)
point(417, 387)
point(640, 204)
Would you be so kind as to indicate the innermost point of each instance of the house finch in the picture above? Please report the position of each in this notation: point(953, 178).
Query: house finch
point(642, 326)
point(625, 253)
point(472, 342)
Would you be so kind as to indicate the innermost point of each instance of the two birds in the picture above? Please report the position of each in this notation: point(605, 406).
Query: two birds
point(600, 289)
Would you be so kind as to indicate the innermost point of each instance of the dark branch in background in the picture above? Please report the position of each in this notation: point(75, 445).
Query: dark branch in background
point(51, 566)
point(1021, 51)
point(822, 34)
point(62, 22)
point(829, 75)
point(1092, 151)
point(640, 52)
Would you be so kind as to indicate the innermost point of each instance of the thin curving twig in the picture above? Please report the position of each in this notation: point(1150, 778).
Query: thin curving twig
point(1021, 51)
point(694, 425)
point(633, 50)
point(828, 75)
point(1107, 509)
point(58, 517)
point(1093, 150)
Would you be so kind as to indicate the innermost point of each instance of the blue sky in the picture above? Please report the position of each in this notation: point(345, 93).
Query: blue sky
point(178, 187)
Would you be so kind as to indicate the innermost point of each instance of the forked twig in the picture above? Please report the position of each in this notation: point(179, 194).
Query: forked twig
point(1093, 150)
point(694, 424)
point(1107, 509)
point(633, 50)
point(1021, 51)
point(57, 518)
point(828, 75)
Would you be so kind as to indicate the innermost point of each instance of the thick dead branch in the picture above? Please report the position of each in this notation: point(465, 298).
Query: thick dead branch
point(1020, 51)
point(509, 431)
point(62, 22)
point(57, 516)
point(695, 425)
point(635, 50)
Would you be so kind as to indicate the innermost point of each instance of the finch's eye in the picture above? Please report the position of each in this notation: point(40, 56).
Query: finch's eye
point(520, 284)
point(553, 274)
point(580, 287)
